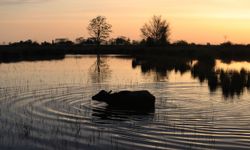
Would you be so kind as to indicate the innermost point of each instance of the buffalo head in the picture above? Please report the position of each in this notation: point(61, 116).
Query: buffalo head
point(102, 95)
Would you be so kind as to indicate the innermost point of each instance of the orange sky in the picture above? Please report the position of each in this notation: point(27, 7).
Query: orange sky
point(191, 20)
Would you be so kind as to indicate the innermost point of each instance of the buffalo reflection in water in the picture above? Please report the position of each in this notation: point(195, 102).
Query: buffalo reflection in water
point(230, 82)
point(107, 113)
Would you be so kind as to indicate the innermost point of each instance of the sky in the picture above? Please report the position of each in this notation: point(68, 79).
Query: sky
point(198, 21)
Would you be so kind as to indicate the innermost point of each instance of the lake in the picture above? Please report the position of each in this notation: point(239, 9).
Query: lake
point(200, 104)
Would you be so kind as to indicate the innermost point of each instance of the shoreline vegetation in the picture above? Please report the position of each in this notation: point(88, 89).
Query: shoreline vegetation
point(155, 43)
point(18, 52)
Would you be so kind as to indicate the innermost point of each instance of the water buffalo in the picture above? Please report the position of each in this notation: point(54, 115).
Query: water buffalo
point(128, 99)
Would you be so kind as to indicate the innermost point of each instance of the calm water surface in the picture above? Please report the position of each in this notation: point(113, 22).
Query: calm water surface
point(47, 105)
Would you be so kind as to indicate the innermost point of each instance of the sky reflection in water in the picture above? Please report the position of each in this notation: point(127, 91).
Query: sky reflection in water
point(47, 104)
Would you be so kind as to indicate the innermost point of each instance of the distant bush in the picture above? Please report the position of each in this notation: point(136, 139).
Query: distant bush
point(228, 43)
point(25, 43)
point(63, 42)
point(121, 40)
point(181, 43)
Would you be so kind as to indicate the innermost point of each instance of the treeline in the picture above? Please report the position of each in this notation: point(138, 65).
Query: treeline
point(81, 41)
point(83, 46)
point(120, 41)
point(155, 41)
point(155, 32)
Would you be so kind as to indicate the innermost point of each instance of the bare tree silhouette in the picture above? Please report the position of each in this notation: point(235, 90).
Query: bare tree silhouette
point(99, 29)
point(156, 31)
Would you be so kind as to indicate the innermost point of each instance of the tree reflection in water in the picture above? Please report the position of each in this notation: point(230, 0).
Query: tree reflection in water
point(231, 82)
point(162, 66)
point(99, 70)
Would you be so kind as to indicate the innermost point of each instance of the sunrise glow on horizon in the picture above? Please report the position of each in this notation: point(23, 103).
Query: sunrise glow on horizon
point(213, 21)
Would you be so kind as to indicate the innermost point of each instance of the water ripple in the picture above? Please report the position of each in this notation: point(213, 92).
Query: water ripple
point(64, 117)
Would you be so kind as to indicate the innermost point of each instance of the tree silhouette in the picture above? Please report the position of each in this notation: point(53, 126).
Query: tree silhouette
point(99, 29)
point(156, 31)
